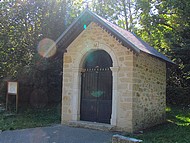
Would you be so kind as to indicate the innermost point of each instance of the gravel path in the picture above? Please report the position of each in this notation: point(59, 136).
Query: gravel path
point(55, 134)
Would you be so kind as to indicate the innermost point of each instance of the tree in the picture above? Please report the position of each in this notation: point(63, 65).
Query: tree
point(165, 25)
point(23, 25)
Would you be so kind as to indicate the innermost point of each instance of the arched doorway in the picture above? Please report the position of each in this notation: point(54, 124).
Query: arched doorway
point(96, 88)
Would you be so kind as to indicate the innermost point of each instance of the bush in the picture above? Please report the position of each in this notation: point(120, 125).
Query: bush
point(3, 90)
point(178, 96)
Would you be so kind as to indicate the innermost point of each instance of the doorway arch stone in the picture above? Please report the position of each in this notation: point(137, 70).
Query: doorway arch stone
point(77, 69)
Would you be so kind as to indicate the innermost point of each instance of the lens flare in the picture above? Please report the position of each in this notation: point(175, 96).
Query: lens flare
point(47, 48)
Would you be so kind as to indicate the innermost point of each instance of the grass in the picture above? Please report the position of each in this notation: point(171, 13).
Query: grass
point(30, 118)
point(175, 130)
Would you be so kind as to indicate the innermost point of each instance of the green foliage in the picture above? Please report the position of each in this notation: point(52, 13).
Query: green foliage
point(178, 96)
point(165, 26)
point(23, 25)
point(121, 12)
point(30, 118)
point(167, 133)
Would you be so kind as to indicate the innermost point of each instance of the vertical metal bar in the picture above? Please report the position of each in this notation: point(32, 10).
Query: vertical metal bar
point(81, 103)
point(97, 89)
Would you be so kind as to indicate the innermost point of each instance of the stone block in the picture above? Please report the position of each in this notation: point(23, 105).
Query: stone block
point(67, 59)
point(123, 139)
point(126, 106)
point(66, 117)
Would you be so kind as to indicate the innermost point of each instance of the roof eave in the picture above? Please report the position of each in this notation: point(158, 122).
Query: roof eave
point(124, 41)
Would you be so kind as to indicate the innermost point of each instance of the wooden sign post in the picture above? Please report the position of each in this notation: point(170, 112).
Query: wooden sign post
point(12, 89)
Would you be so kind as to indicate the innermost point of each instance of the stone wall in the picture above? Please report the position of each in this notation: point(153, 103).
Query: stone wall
point(149, 91)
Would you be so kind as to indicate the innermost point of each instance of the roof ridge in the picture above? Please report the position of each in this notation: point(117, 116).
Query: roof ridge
point(128, 39)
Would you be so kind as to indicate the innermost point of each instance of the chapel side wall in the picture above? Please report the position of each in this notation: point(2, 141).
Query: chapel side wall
point(149, 91)
point(93, 38)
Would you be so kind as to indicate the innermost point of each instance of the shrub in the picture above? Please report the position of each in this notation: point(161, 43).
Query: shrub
point(178, 96)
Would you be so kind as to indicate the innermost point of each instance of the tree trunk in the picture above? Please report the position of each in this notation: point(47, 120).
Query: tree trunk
point(125, 15)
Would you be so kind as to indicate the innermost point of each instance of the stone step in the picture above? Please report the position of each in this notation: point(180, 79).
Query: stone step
point(92, 125)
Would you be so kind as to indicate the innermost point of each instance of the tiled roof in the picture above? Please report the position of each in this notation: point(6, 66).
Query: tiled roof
point(127, 38)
